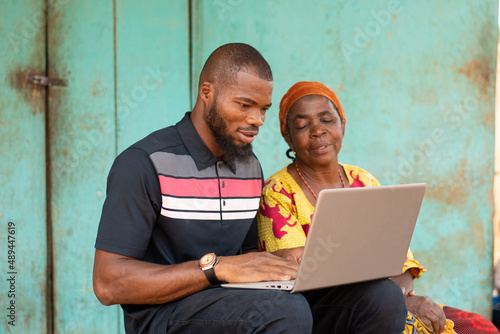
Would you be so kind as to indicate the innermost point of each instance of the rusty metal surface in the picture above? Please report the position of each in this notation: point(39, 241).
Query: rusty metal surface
point(80, 50)
point(152, 86)
point(22, 170)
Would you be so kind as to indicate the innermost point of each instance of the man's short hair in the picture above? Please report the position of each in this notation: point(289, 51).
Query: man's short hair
point(227, 60)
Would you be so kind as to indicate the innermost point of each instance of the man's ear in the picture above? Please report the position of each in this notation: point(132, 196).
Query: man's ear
point(207, 92)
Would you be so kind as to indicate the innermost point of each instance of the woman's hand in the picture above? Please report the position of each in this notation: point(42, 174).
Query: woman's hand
point(427, 310)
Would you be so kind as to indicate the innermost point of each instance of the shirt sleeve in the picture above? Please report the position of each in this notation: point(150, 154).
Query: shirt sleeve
point(278, 226)
point(413, 265)
point(133, 202)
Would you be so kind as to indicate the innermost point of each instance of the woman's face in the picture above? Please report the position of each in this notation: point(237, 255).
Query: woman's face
point(315, 130)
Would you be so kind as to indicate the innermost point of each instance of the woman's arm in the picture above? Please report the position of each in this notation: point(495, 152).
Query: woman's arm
point(405, 281)
point(425, 308)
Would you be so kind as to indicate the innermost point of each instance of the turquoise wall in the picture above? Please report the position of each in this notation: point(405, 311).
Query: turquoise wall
point(22, 173)
point(416, 79)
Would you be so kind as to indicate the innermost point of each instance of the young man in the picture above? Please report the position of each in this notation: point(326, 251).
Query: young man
point(179, 218)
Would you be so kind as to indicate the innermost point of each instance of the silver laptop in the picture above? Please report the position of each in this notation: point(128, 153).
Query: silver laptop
point(356, 234)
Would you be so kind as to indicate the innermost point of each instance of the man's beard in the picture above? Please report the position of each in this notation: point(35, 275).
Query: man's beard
point(230, 150)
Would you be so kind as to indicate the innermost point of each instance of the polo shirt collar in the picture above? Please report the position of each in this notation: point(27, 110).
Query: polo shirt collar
point(200, 153)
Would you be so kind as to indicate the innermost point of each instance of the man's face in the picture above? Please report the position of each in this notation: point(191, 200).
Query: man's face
point(237, 113)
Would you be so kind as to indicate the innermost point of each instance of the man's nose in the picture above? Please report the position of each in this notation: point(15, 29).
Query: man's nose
point(256, 117)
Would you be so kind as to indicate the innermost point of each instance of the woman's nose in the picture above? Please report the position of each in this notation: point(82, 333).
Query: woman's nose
point(317, 129)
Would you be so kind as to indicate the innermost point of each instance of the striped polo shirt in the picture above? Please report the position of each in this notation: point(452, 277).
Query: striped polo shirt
point(170, 200)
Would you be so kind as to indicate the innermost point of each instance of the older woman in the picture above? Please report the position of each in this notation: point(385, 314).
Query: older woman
point(312, 122)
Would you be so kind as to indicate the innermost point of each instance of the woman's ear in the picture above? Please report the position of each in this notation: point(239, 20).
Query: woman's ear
point(288, 140)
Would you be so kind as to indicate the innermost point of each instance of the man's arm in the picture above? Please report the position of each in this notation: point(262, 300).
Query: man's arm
point(120, 279)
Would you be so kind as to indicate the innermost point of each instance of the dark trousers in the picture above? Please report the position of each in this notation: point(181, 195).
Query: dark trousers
point(371, 307)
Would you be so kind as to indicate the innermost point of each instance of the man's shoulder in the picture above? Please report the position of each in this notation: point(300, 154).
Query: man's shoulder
point(138, 156)
point(159, 140)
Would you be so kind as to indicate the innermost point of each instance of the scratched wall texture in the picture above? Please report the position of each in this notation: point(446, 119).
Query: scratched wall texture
point(22, 171)
point(416, 79)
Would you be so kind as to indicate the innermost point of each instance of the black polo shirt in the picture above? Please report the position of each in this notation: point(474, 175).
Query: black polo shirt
point(169, 200)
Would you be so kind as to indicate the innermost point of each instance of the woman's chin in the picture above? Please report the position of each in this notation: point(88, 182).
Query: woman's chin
point(322, 160)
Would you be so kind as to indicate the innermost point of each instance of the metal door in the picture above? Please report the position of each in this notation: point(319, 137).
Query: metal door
point(23, 197)
point(126, 66)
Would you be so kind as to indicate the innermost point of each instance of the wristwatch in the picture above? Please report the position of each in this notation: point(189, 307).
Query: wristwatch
point(207, 264)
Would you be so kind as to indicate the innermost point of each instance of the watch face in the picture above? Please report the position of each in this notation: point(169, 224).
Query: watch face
point(207, 259)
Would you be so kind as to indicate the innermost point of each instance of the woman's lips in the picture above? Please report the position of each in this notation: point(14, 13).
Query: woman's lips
point(321, 148)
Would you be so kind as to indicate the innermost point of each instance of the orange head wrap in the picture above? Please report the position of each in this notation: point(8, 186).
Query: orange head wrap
point(301, 89)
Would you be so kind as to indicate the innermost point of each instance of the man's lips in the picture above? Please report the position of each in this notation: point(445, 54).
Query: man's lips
point(247, 136)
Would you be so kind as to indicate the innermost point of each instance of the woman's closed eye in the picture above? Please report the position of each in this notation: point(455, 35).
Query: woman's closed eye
point(301, 126)
point(304, 125)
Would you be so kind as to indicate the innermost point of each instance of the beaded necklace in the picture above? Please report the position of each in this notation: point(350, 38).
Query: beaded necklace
point(307, 185)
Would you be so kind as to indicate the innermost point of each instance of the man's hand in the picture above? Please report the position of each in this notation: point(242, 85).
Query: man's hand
point(427, 310)
point(255, 267)
point(294, 254)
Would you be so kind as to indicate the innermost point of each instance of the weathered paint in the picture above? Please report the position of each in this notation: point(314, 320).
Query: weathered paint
point(82, 137)
point(416, 79)
point(22, 167)
point(416, 84)
point(152, 67)
point(496, 217)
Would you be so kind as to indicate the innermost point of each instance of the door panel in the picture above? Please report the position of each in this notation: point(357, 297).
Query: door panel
point(83, 145)
point(22, 168)
point(152, 67)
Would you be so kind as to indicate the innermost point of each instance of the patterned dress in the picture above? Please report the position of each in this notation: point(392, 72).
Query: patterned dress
point(284, 218)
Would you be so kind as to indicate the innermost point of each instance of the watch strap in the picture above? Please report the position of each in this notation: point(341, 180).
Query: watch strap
point(210, 274)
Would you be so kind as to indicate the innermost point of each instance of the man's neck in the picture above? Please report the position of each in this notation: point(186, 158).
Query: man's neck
point(201, 126)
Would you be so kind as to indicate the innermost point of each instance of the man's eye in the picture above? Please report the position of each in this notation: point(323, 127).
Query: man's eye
point(243, 105)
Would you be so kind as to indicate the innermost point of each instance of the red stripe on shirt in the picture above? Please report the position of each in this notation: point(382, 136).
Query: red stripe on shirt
point(209, 188)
